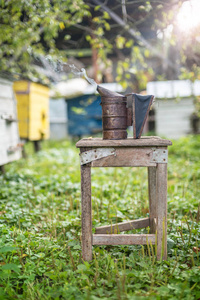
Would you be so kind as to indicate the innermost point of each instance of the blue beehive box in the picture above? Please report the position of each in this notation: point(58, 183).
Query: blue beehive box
point(84, 115)
point(83, 109)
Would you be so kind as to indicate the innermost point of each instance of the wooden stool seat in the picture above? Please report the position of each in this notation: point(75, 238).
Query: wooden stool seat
point(150, 152)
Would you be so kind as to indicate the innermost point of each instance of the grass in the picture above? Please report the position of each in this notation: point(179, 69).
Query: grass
point(40, 229)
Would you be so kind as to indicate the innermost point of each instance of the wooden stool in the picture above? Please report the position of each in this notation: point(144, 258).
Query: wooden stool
point(148, 152)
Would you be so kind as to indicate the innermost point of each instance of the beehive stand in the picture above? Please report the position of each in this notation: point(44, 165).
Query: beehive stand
point(150, 152)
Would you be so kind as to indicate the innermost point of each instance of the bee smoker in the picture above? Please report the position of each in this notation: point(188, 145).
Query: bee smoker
point(119, 112)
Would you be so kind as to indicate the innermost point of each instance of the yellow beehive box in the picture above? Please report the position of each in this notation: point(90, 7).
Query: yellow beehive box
point(33, 110)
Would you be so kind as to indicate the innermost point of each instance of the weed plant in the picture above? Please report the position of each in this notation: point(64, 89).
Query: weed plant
point(40, 229)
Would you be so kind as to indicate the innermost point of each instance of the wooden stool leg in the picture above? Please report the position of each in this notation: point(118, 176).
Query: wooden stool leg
point(152, 198)
point(37, 146)
point(162, 211)
point(86, 207)
point(2, 170)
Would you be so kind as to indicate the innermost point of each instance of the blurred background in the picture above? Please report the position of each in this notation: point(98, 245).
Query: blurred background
point(147, 47)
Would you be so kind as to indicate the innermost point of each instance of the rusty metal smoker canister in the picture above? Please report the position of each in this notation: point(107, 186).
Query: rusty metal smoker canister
point(114, 114)
point(120, 111)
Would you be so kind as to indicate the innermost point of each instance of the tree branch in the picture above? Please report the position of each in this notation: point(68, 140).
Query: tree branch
point(124, 12)
point(134, 33)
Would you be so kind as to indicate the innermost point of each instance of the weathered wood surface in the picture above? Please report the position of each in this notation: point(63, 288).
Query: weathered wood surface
point(128, 153)
point(162, 211)
point(127, 157)
point(119, 227)
point(33, 110)
point(152, 197)
point(173, 117)
point(123, 239)
point(130, 142)
point(6, 105)
point(9, 136)
point(6, 91)
point(86, 207)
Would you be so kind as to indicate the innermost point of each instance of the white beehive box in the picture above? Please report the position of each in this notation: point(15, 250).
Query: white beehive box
point(174, 106)
point(58, 119)
point(10, 149)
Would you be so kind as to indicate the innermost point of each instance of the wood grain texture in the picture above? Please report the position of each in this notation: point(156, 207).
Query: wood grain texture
point(33, 110)
point(119, 227)
point(9, 135)
point(86, 217)
point(127, 157)
point(173, 117)
point(130, 142)
point(123, 239)
point(152, 197)
point(6, 89)
point(162, 211)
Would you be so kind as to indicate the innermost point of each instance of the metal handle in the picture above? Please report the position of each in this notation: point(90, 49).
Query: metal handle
point(8, 118)
point(13, 149)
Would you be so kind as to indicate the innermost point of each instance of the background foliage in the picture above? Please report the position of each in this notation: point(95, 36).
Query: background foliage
point(29, 29)
point(137, 33)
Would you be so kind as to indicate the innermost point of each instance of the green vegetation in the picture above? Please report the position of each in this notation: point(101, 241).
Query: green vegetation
point(40, 228)
point(29, 29)
point(135, 33)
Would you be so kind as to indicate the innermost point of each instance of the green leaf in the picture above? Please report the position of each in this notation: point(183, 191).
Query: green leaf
point(97, 7)
point(7, 249)
point(106, 15)
point(11, 267)
point(170, 244)
point(129, 44)
point(107, 26)
point(120, 41)
point(146, 53)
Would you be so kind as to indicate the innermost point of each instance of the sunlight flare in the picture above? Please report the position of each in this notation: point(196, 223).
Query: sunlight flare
point(188, 16)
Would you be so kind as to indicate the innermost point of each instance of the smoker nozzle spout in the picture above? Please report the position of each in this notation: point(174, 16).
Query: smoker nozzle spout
point(107, 93)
